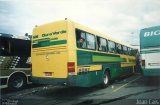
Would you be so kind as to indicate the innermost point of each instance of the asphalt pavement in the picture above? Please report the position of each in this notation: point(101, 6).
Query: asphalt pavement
point(131, 90)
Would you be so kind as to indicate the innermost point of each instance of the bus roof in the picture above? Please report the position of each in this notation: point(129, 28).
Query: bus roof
point(98, 33)
point(87, 29)
point(5, 35)
point(150, 27)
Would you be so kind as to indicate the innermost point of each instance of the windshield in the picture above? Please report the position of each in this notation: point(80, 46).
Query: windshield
point(8, 47)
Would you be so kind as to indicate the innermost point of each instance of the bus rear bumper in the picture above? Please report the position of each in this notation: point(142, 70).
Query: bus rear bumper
point(50, 81)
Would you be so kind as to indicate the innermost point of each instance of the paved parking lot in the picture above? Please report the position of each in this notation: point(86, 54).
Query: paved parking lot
point(131, 90)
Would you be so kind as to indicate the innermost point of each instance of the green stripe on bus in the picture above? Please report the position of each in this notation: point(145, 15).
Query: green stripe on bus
point(96, 58)
point(48, 43)
point(85, 57)
point(151, 72)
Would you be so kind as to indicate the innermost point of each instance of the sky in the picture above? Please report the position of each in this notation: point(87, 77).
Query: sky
point(120, 19)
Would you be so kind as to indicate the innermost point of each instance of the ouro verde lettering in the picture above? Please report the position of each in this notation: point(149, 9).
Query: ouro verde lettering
point(54, 33)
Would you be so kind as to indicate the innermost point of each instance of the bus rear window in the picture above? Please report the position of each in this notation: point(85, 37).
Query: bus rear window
point(14, 47)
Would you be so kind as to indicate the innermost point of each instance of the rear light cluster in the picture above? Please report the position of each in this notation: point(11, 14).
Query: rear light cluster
point(71, 68)
point(143, 62)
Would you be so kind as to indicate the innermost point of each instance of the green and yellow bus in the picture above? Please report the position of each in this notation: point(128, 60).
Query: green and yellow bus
point(67, 53)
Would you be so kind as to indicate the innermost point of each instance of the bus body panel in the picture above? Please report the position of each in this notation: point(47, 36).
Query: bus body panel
point(49, 51)
point(149, 37)
point(152, 64)
point(150, 50)
point(90, 71)
point(151, 60)
point(48, 64)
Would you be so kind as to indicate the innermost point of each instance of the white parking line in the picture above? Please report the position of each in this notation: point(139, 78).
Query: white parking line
point(126, 84)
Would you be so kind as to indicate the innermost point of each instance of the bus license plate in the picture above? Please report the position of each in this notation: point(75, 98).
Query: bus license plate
point(48, 73)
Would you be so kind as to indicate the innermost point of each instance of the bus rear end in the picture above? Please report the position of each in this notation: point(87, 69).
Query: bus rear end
point(50, 53)
point(149, 49)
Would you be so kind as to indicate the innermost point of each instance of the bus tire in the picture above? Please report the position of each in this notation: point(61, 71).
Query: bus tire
point(105, 79)
point(17, 82)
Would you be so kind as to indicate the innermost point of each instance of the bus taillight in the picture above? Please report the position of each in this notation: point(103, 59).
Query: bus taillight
point(71, 67)
point(143, 62)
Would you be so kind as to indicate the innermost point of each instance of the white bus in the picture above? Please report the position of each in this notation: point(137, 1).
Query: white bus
point(150, 51)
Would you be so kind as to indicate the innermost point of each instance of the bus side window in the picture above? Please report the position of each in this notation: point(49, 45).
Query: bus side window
point(125, 50)
point(91, 42)
point(129, 51)
point(102, 44)
point(111, 46)
point(98, 43)
point(119, 48)
point(80, 39)
point(4, 47)
point(133, 52)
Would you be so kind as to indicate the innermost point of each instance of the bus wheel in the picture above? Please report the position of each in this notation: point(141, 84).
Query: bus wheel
point(106, 79)
point(17, 82)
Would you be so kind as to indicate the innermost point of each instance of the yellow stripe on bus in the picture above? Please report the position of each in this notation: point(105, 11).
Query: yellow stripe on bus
point(89, 68)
